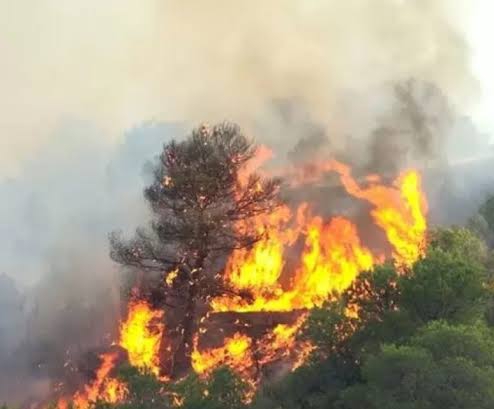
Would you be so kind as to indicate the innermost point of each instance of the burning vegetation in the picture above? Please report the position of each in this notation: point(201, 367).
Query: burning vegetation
point(229, 268)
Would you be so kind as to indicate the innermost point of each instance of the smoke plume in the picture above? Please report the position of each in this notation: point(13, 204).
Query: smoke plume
point(209, 61)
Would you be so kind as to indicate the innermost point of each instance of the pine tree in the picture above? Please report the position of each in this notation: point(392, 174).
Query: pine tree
point(200, 192)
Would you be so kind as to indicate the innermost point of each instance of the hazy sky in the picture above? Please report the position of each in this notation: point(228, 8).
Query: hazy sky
point(480, 33)
point(79, 77)
point(119, 62)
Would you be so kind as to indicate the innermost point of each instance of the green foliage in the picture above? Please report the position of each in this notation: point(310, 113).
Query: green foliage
point(393, 326)
point(326, 327)
point(459, 242)
point(144, 390)
point(221, 390)
point(226, 390)
point(374, 292)
point(311, 386)
point(444, 341)
point(443, 286)
point(467, 245)
point(446, 364)
point(377, 295)
point(396, 378)
point(443, 367)
point(489, 307)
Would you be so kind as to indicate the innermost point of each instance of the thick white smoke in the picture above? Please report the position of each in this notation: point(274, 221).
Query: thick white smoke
point(118, 62)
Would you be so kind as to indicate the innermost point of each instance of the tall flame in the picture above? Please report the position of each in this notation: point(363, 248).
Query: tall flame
point(399, 210)
point(333, 254)
point(235, 353)
point(141, 336)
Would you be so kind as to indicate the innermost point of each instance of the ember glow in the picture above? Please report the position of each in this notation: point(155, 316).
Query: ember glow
point(399, 210)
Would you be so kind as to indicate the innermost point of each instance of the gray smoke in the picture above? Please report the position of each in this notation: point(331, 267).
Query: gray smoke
point(61, 289)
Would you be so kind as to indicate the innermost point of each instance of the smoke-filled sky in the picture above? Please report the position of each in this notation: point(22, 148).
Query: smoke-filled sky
point(116, 63)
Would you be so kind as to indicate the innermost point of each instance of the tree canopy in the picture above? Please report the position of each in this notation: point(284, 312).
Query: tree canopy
point(202, 188)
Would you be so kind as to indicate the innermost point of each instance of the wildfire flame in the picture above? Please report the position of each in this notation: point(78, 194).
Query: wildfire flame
point(236, 352)
point(246, 356)
point(141, 336)
point(102, 387)
point(399, 210)
point(301, 261)
point(281, 343)
point(332, 257)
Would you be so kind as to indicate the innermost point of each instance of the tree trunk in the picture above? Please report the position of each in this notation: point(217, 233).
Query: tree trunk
point(182, 363)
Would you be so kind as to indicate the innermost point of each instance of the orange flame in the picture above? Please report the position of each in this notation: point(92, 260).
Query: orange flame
point(102, 387)
point(399, 210)
point(261, 155)
point(245, 357)
point(331, 258)
point(141, 336)
point(282, 343)
point(300, 262)
point(235, 353)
